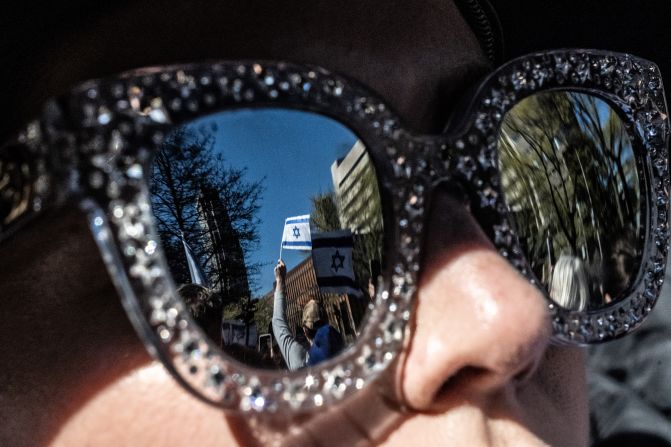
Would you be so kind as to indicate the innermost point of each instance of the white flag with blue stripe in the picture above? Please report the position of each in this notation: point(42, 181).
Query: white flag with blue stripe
point(296, 234)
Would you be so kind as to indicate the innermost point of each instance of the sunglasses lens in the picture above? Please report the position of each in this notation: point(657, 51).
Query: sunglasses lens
point(229, 191)
point(572, 187)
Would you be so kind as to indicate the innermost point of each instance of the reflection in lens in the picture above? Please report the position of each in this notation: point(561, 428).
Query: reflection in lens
point(571, 184)
point(232, 190)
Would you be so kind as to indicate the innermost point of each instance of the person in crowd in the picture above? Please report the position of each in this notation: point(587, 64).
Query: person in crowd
point(569, 286)
point(323, 339)
point(198, 299)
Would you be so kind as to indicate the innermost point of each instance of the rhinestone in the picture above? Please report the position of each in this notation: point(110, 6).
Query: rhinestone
point(117, 142)
point(209, 99)
point(104, 115)
point(519, 80)
point(175, 104)
point(540, 75)
point(562, 65)
point(237, 86)
point(157, 316)
point(488, 197)
point(393, 329)
point(192, 105)
point(113, 190)
point(150, 248)
point(483, 122)
point(159, 115)
point(256, 400)
point(117, 90)
point(295, 78)
point(379, 342)
point(294, 393)
point(310, 381)
point(164, 333)
point(336, 383)
point(96, 179)
point(134, 171)
point(467, 166)
point(217, 377)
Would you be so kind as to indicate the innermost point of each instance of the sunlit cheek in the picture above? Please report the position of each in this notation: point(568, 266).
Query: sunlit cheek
point(145, 407)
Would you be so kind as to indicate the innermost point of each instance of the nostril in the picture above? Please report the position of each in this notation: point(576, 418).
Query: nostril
point(466, 377)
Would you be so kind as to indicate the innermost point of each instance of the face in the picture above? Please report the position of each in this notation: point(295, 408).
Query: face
point(470, 374)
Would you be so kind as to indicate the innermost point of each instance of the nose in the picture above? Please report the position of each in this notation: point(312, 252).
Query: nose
point(480, 326)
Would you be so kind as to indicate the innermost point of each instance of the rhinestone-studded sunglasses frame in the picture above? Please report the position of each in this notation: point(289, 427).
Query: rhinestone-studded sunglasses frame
point(95, 146)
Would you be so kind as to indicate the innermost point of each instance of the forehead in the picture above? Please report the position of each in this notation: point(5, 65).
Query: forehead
point(416, 53)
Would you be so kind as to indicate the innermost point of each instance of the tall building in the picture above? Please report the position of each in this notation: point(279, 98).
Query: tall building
point(227, 272)
point(355, 186)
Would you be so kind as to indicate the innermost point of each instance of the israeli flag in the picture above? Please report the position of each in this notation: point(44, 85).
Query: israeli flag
point(197, 275)
point(296, 234)
point(332, 261)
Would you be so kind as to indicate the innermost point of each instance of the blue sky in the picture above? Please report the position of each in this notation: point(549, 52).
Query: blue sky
point(293, 152)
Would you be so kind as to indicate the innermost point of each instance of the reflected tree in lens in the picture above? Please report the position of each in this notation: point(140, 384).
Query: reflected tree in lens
point(570, 180)
point(199, 202)
point(325, 215)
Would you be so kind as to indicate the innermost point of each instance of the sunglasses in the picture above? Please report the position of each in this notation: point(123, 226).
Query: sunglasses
point(195, 177)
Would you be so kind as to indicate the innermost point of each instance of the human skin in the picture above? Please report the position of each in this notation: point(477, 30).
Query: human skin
point(477, 369)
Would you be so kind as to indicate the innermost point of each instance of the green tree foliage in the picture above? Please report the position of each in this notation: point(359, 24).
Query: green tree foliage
point(325, 215)
point(569, 177)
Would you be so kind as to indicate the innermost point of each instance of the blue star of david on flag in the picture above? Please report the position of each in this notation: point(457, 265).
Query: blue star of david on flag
point(337, 261)
point(332, 262)
point(296, 234)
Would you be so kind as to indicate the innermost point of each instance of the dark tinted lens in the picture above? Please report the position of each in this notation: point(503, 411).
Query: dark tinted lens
point(571, 183)
point(229, 190)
